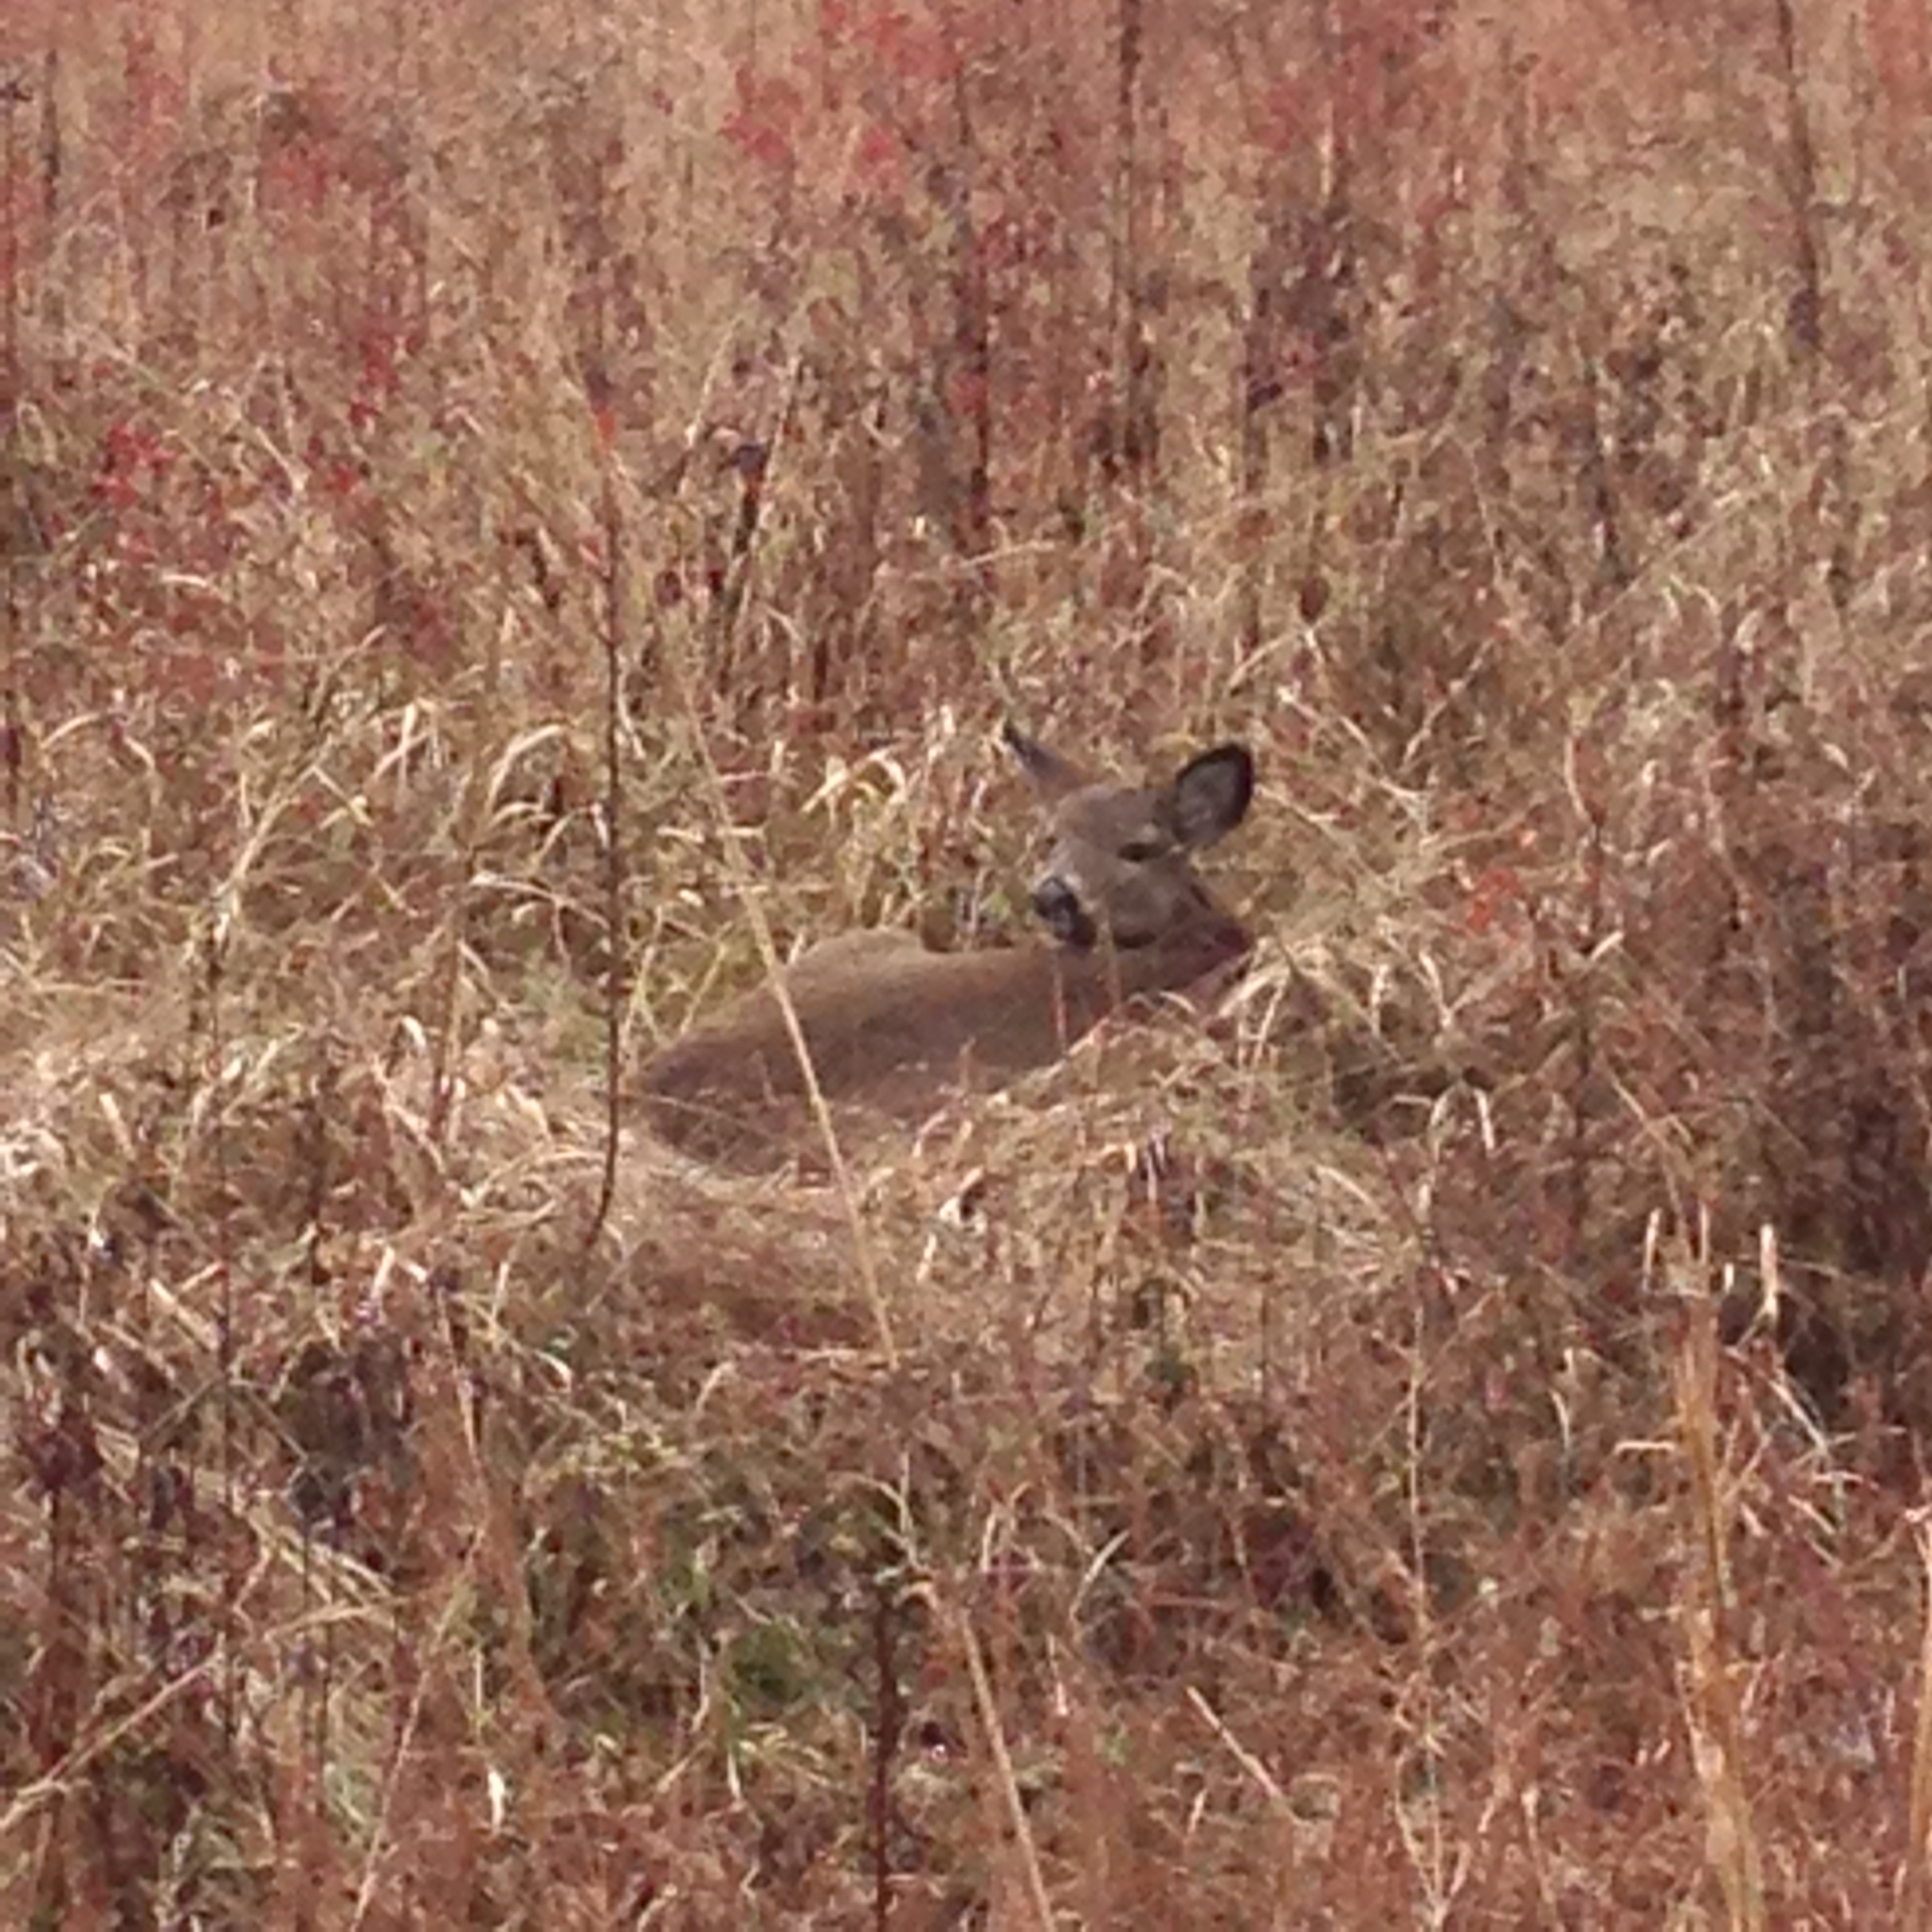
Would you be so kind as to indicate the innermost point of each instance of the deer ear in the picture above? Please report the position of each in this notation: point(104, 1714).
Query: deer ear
point(1053, 776)
point(1209, 797)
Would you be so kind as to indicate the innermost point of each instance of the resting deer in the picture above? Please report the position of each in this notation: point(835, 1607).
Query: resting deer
point(891, 1026)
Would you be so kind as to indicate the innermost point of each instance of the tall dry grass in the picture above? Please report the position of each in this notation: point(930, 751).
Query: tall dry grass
point(490, 498)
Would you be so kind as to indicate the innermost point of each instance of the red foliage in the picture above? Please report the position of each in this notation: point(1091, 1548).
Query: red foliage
point(1497, 890)
point(156, 99)
point(133, 458)
point(879, 163)
point(765, 126)
point(380, 346)
point(1899, 40)
point(849, 108)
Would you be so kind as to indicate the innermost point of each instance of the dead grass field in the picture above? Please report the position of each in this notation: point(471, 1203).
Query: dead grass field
point(1439, 1442)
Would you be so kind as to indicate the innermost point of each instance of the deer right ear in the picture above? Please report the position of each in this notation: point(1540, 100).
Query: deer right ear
point(1053, 776)
point(1210, 797)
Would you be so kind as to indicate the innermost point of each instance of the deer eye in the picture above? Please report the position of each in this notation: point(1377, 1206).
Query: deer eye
point(1143, 850)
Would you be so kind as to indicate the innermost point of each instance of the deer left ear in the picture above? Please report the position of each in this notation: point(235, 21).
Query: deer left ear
point(1053, 776)
point(1210, 795)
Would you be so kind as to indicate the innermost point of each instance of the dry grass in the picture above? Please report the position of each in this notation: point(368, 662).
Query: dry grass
point(1440, 1443)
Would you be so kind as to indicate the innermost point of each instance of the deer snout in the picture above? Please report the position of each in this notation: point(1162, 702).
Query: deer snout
point(1059, 909)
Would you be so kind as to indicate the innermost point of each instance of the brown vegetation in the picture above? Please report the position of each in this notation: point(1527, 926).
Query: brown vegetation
point(500, 507)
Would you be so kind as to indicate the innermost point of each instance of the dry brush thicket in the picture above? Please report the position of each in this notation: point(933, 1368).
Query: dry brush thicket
point(1437, 1441)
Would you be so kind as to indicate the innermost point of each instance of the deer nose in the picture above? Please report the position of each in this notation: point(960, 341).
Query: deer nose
point(1060, 912)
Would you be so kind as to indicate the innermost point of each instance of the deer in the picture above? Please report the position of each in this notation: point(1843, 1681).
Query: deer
point(892, 1027)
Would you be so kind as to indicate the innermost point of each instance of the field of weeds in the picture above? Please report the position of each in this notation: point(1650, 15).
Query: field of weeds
point(505, 512)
